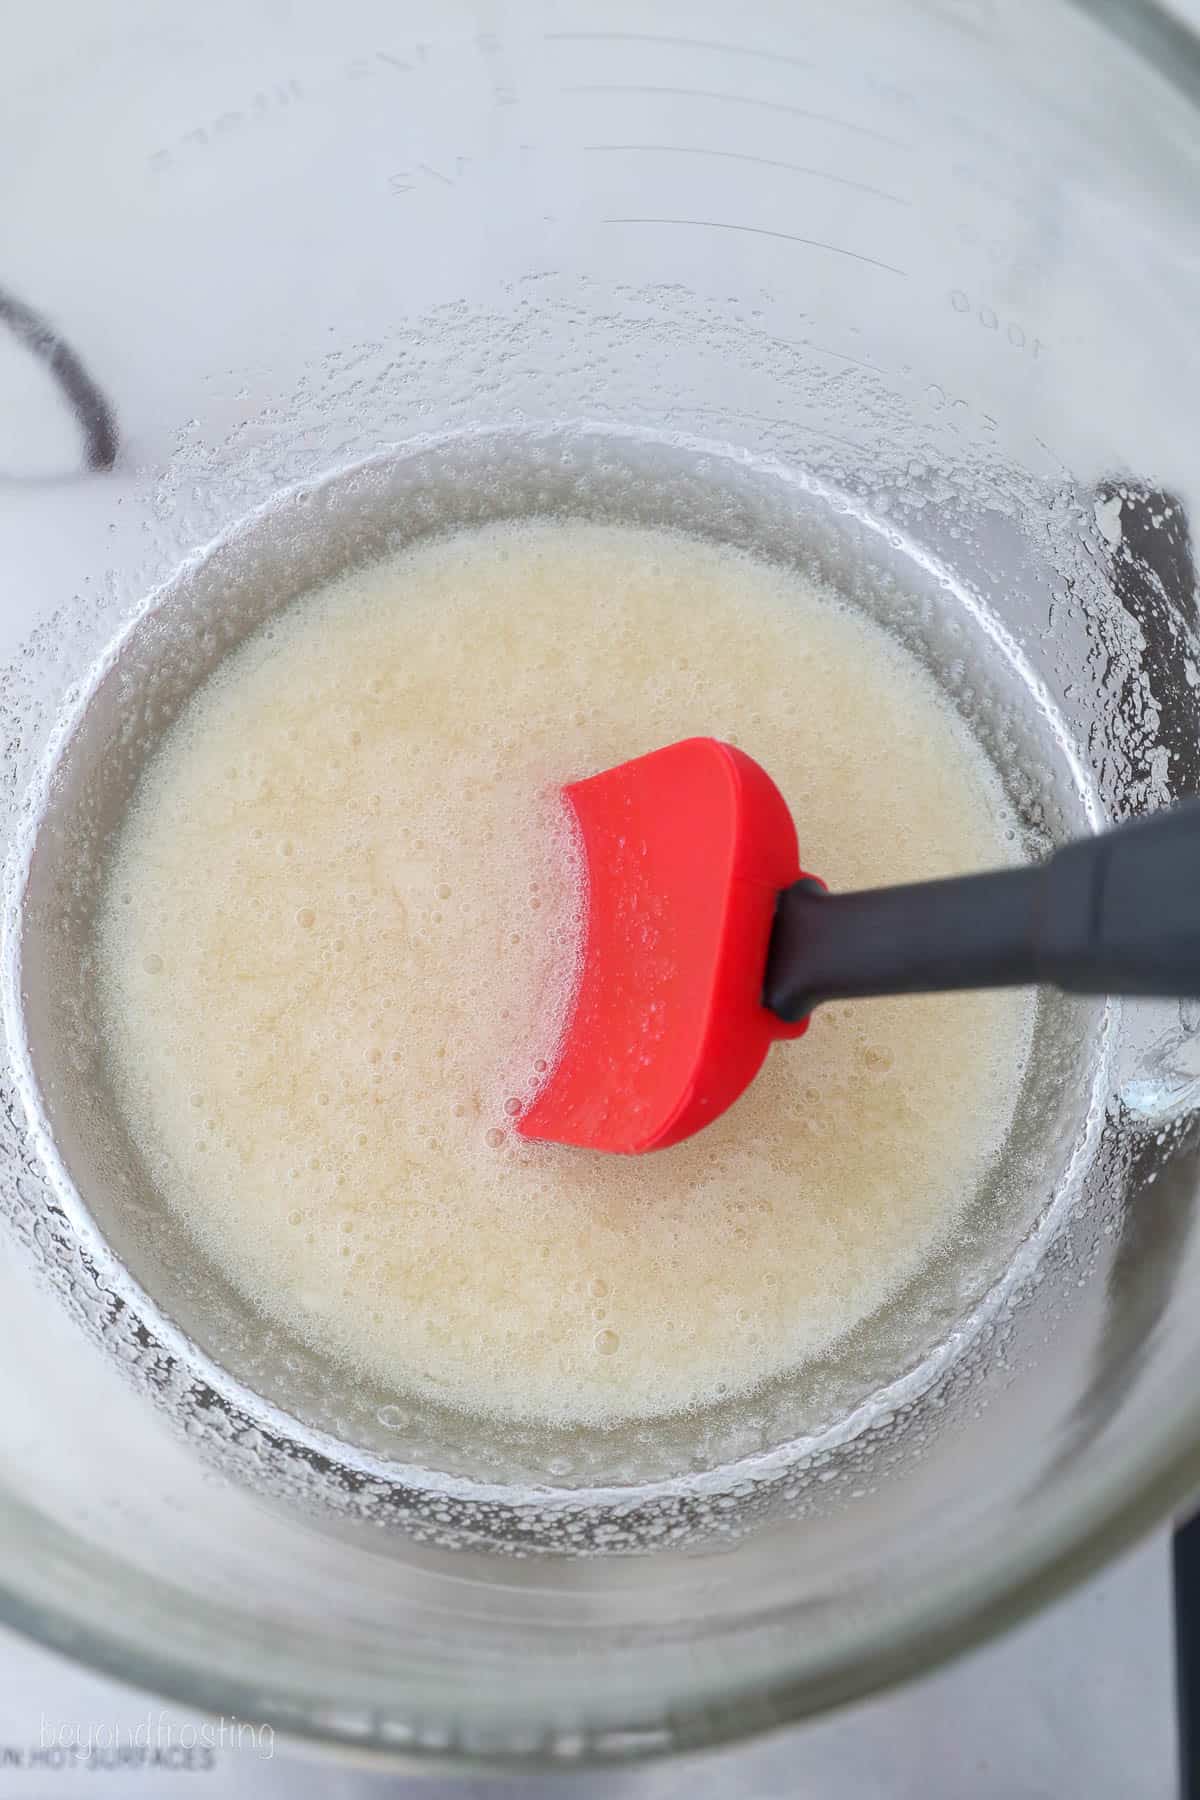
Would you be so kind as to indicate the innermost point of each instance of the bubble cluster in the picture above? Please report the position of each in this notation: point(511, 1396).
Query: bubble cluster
point(352, 1007)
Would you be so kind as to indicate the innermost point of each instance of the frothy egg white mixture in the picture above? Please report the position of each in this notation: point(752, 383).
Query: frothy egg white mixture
point(340, 936)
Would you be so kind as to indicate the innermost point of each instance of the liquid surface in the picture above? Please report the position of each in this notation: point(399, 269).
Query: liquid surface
point(338, 939)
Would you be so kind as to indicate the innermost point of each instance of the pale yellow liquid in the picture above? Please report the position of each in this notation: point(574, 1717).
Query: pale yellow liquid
point(338, 940)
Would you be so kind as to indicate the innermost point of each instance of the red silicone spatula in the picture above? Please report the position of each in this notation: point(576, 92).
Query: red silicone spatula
point(704, 941)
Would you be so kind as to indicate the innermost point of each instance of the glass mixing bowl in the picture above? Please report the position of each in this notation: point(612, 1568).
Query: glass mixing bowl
point(901, 291)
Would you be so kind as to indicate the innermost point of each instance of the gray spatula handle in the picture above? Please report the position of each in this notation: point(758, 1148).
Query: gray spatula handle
point(1114, 914)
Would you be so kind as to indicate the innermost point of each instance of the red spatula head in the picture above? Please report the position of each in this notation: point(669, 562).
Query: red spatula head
point(686, 851)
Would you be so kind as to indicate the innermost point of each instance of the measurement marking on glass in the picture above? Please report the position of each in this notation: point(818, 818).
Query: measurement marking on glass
point(779, 106)
point(675, 43)
point(405, 181)
point(824, 350)
point(787, 237)
point(771, 337)
point(763, 162)
point(753, 418)
point(1055, 458)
